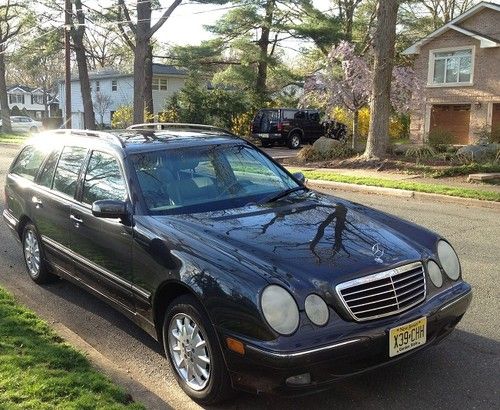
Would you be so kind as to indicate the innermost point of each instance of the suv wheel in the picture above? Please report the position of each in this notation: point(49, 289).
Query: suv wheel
point(294, 140)
point(194, 353)
point(33, 256)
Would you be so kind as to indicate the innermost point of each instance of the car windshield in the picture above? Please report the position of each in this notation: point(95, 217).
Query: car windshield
point(223, 176)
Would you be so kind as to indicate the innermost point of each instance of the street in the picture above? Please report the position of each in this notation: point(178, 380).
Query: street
point(461, 372)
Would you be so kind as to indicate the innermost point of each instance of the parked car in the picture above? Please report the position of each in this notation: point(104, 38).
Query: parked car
point(248, 279)
point(292, 127)
point(24, 124)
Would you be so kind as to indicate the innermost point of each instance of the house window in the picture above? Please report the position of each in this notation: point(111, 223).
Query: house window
point(160, 84)
point(97, 86)
point(37, 99)
point(114, 85)
point(451, 66)
point(16, 98)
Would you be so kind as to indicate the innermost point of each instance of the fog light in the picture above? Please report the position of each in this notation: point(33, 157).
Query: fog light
point(300, 379)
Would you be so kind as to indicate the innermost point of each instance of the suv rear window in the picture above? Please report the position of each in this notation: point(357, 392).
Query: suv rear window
point(68, 168)
point(28, 162)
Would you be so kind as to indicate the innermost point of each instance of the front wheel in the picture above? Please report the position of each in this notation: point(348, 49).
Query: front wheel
point(33, 129)
point(33, 256)
point(294, 141)
point(194, 353)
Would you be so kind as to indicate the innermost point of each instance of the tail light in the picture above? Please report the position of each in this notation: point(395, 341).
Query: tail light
point(280, 126)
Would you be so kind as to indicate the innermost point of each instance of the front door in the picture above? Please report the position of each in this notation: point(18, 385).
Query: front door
point(102, 247)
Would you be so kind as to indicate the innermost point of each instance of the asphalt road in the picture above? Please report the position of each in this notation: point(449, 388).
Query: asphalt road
point(461, 372)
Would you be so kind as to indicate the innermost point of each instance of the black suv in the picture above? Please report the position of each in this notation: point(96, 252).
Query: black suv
point(247, 278)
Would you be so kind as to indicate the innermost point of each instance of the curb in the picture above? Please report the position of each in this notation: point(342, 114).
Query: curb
point(123, 378)
point(402, 193)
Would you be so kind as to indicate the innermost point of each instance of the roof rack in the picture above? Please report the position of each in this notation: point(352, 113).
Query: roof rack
point(90, 133)
point(178, 126)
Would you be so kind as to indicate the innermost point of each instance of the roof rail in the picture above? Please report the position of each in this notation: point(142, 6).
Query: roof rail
point(89, 133)
point(179, 126)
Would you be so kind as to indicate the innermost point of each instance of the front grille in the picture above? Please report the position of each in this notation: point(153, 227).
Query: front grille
point(385, 293)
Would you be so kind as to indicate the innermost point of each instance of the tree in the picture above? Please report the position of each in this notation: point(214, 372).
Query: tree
point(77, 33)
point(102, 102)
point(14, 16)
point(380, 106)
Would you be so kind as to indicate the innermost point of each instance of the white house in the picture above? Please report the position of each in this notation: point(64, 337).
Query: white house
point(34, 102)
point(111, 89)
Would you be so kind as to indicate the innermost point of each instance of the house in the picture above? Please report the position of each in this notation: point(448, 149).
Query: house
point(460, 66)
point(112, 89)
point(35, 102)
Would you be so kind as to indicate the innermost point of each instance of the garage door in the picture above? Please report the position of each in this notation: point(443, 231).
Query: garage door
point(452, 118)
point(495, 118)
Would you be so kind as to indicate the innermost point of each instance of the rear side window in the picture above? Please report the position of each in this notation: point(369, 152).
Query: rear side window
point(103, 179)
point(28, 162)
point(289, 114)
point(68, 168)
point(47, 172)
point(314, 116)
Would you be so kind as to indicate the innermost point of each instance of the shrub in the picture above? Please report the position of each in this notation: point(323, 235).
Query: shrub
point(420, 152)
point(308, 153)
point(241, 124)
point(169, 115)
point(123, 117)
point(487, 135)
point(439, 139)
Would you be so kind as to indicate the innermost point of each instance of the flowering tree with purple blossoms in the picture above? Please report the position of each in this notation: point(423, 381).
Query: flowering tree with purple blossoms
point(346, 81)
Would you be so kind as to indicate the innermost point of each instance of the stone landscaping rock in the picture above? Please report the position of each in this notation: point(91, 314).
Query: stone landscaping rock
point(479, 153)
point(324, 145)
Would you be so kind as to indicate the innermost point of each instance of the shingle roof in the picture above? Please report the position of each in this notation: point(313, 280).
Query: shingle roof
point(113, 73)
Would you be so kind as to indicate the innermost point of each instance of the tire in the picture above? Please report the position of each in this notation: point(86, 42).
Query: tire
point(34, 256)
point(212, 383)
point(294, 140)
point(265, 143)
point(33, 129)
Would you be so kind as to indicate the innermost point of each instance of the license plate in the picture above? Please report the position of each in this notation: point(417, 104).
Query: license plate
point(407, 337)
point(263, 135)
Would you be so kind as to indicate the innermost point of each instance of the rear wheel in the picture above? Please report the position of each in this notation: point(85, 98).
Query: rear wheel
point(33, 256)
point(294, 140)
point(194, 353)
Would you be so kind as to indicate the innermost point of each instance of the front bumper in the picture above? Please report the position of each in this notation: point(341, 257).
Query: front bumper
point(261, 370)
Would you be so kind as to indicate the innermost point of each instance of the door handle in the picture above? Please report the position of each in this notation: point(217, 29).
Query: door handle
point(76, 220)
point(35, 201)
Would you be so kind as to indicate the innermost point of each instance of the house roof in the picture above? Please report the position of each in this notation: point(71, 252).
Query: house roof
point(162, 69)
point(22, 88)
point(486, 41)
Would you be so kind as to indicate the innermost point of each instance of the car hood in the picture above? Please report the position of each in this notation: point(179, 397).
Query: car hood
point(311, 238)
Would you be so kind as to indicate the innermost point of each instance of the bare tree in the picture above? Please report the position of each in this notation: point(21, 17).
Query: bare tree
point(11, 23)
point(102, 103)
point(380, 106)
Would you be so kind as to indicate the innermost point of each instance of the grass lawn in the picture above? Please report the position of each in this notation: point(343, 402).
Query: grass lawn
point(38, 370)
point(13, 138)
point(412, 186)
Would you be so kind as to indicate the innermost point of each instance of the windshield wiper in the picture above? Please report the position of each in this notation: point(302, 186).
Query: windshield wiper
point(279, 195)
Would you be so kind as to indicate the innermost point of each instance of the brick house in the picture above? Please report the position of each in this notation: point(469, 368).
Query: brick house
point(460, 66)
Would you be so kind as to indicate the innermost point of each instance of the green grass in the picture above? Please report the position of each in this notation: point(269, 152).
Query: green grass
point(412, 186)
point(39, 371)
point(466, 170)
point(13, 138)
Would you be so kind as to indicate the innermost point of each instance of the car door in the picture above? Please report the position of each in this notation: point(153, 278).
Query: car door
point(51, 201)
point(15, 124)
point(314, 124)
point(103, 246)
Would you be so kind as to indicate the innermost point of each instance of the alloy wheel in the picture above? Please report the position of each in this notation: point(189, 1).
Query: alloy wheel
point(32, 253)
point(190, 351)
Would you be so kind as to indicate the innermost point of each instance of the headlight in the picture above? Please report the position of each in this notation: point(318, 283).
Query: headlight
point(449, 260)
point(316, 310)
point(435, 273)
point(280, 309)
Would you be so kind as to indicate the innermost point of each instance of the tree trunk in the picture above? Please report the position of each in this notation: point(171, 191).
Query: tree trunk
point(355, 128)
point(77, 33)
point(148, 85)
point(4, 100)
point(380, 106)
point(263, 43)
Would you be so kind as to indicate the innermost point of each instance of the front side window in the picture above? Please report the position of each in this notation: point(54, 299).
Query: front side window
point(452, 67)
point(47, 172)
point(28, 162)
point(68, 168)
point(207, 178)
point(103, 179)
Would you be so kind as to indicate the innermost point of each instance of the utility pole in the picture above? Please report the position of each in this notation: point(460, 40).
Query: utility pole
point(67, 57)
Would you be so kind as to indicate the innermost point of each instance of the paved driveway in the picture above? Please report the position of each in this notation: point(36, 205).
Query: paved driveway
point(462, 372)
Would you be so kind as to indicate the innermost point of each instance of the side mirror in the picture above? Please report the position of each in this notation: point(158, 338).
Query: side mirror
point(109, 208)
point(299, 176)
